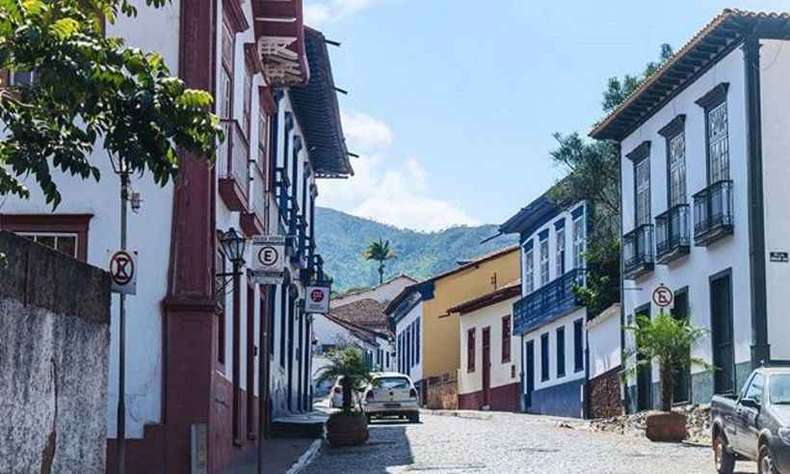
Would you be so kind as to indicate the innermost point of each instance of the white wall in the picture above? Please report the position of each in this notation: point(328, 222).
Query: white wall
point(502, 373)
point(775, 71)
point(570, 375)
point(415, 371)
point(382, 293)
point(603, 335)
point(694, 270)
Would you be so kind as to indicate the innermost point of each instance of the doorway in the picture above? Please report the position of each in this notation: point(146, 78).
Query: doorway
point(681, 375)
point(529, 372)
point(722, 332)
point(644, 374)
point(486, 367)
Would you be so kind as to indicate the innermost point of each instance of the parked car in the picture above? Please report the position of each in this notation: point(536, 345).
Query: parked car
point(392, 394)
point(755, 425)
point(336, 401)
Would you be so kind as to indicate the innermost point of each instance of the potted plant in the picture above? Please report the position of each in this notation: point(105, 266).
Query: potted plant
point(668, 340)
point(349, 426)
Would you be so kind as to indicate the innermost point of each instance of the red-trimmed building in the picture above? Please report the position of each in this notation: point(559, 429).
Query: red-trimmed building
point(210, 363)
point(489, 378)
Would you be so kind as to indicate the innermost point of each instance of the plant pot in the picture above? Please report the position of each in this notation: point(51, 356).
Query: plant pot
point(666, 427)
point(347, 429)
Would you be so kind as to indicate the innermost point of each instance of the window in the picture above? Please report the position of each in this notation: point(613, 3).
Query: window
point(66, 233)
point(578, 345)
point(676, 149)
point(755, 389)
point(544, 261)
point(561, 351)
point(578, 241)
point(559, 257)
point(544, 357)
point(718, 146)
point(642, 196)
point(529, 270)
point(470, 350)
point(506, 337)
point(417, 342)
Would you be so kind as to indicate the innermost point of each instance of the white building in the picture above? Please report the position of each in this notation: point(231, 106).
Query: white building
point(406, 317)
point(605, 361)
point(212, 359)
point(489, 379)
point(706, 210)
point(548, 319)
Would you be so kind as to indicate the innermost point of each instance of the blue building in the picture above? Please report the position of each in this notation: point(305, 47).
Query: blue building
point(548, 318)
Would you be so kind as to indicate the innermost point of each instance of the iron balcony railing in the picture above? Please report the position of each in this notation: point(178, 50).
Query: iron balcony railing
point(638, 251)
point(233, 161)
point(554, 299)
point(713, 212)
point(672, 233)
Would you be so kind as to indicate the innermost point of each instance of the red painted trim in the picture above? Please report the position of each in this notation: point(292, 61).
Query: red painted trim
point(234, 13)
point(232, 195)
point(251, 224)
point(67, 223)
point(502, 398)
point(252, 59)
point(266, 100)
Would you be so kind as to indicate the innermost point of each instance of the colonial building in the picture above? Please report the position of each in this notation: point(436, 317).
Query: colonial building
point(490, 374)
point(547, 318)
point(604, 347)
point(427, 340)
point(212, 354)
point(704, 197)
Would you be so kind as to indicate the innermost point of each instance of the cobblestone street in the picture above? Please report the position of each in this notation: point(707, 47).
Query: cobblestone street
point(508, 443)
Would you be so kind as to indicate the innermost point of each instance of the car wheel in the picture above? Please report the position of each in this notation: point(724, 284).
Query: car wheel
point(765, 462)
point(414, 418)
point(723, 459)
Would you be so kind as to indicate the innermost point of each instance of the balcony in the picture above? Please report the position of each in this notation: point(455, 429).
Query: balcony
point(547, 303)
point(672, 234)
point(713, 213)
point(253, 222)
point(233, 167)
point(638, 251)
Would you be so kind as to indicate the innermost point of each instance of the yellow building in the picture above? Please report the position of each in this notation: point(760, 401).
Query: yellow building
point(440, 336)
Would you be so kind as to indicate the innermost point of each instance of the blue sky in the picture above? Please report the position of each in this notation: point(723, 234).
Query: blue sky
point(453, 103)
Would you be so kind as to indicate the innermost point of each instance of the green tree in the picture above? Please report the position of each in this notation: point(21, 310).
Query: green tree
point(592, 168)
point(90, 90)
point(380, 252)
point(668, 340)
point(347, 364)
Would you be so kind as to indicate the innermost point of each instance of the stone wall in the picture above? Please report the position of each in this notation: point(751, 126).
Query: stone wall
point(605, 395)
point(54, 354)
point(442, 392)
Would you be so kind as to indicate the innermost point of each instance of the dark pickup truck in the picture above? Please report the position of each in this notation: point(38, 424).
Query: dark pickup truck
point(755, 425)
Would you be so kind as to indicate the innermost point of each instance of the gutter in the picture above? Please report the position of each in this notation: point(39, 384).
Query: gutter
point(760, 349)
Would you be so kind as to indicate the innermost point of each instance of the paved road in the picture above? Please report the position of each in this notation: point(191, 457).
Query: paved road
point(506, 443)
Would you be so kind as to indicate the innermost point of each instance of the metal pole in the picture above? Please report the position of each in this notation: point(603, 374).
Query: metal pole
point(121, 423)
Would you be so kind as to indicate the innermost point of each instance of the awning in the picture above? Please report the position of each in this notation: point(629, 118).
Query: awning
point(279, 33)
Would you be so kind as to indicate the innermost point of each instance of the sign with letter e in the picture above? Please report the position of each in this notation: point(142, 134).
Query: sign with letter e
point(268, 259)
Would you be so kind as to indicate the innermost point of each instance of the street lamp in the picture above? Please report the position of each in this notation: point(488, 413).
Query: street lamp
point(233, 244)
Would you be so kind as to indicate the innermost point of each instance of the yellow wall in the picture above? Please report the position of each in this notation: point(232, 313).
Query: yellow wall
point(441, 330)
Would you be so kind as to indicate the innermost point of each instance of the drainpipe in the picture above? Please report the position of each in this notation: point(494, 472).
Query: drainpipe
point(760, 350)
point(624, 380)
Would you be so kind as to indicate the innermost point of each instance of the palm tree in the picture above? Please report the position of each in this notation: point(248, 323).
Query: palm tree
point(381, 252)
point(349, 365)
point(668, 340)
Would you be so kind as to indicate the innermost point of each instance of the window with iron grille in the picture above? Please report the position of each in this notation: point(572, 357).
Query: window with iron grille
point(718, 145)
point(642, 196)
point(676, 146)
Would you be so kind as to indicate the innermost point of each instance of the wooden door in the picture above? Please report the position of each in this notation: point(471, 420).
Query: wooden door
point(486, 366)
point(529, 373)
point(722, 334)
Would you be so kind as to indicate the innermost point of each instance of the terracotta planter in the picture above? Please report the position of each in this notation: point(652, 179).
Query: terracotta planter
point(347, 429)
point(666, 427)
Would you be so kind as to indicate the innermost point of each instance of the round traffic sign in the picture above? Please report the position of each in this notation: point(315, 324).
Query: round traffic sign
point(268, 255)
point(121, 268)
point(663, 296)
point(317, 295)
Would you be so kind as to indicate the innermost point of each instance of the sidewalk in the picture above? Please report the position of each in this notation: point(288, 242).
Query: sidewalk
point(280, 456)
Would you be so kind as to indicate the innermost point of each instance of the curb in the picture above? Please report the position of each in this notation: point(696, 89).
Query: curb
point(306, 458)
point(459, 414)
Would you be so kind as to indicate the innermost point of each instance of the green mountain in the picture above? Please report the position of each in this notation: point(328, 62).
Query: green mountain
point(342, 238)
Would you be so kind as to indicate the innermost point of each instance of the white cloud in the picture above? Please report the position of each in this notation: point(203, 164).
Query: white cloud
point(365, 133)
point(384, 188)
point(320, 12)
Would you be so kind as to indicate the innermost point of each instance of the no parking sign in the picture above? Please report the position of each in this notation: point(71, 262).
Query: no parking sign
point(123, 272)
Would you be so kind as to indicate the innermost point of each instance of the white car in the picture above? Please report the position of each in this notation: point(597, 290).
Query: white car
point(392, 394)
point(336, 400)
